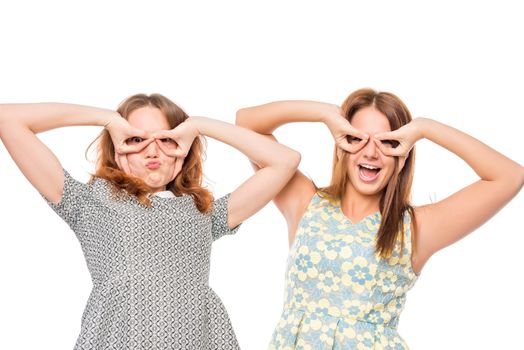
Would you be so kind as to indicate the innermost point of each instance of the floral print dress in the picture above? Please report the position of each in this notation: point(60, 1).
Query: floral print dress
point(339, 293)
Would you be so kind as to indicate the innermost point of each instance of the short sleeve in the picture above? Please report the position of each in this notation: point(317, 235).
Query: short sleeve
point(72, 200)
point(219, 225)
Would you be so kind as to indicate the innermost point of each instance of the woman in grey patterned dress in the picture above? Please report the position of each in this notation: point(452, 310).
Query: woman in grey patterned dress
point(144, 221)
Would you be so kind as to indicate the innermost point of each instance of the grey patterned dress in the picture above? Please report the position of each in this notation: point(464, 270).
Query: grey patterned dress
point(150, 270)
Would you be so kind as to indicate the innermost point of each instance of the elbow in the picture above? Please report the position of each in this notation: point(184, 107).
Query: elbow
point(241, 117)
point(516, 181)
point(291, 161)
point(521, 182)
point(296, 158)
point(2, 114)
point(2, 122)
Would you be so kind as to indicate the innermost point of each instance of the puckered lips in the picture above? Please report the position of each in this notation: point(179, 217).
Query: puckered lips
point(368, 172)
point(153, 165)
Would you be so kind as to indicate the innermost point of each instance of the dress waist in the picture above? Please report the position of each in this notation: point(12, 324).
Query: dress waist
point(372, 318)
point(160, 278)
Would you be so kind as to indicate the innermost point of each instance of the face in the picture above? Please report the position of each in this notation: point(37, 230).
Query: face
point(151, 164)
point(369, 169)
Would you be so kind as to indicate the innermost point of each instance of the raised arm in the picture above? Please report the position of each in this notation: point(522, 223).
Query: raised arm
point(277, 163)
point(445, 222)
point(19, 124)
point(293, 199)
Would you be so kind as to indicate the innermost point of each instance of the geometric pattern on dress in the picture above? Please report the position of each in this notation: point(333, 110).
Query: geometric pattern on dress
point(149, 268)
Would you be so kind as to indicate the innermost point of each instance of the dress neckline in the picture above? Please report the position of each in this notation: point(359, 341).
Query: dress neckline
point(164, 194)
point(338, 207)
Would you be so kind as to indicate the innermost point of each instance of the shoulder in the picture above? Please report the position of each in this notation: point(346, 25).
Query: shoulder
point(321, 200)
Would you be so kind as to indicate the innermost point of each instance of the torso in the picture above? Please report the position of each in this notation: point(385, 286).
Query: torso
point(336, 284)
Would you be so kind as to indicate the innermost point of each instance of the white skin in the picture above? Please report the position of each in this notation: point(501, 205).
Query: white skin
point(19, 124)
point(436, 225)
point(151, 164)
point(363, 191)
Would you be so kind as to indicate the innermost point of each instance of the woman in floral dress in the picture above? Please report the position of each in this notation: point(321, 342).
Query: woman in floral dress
point(358, 245)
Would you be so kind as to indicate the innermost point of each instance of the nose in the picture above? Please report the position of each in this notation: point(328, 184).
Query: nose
point(370, 150)
point(152, 150)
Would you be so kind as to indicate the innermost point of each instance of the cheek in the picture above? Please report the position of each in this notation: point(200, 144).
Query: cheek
point(389, 168)
point(170, 162)
point(133, 162)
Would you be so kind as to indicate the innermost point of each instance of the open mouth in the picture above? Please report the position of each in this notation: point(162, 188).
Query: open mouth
point(368, 172)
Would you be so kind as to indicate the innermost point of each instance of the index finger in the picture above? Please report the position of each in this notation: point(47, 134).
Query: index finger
point(125, 148)
point(392, 152)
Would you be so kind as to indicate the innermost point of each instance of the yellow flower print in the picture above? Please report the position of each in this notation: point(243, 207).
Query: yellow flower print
point(324, 307)
point(378, 315)
point(328, 282)
point(365, 239)
point(355, 309)
point(304, 263)
point(387, 281)
point(365, 341)
point(359, 274)
point(299, 298)
point(370, 225)
point(391, 343)
point(346, 330)
point(334, 247)
point(395, 306)
point(315, 227)
point(337, 216)
point(302, 345)
point(327, 332)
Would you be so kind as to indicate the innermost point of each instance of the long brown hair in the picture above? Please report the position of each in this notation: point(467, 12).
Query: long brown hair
point(396, 197)
point(188, 181)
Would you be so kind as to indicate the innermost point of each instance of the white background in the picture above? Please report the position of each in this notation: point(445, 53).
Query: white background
point(458, 62)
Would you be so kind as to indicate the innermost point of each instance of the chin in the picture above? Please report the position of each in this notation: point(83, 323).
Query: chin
point(368, 189)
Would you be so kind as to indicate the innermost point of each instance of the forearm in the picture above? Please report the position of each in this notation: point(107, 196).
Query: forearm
point(257, 148)
point(489, 164)
point(265, 118)
point(39, 117)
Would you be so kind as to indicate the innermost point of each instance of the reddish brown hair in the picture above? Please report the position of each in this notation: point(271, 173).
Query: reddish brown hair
point(188, 181)
point(396, 197)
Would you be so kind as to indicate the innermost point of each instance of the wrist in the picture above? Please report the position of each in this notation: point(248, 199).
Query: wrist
point(422, 126)
point(329, 112)
point(195, 125)
point(109, 118)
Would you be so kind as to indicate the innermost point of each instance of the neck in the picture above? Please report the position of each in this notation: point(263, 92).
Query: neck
point(356, 205)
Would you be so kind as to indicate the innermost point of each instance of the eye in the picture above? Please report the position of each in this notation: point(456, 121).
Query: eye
point(390, 143)
point(168, 143)
point(134, 139)
point(353, 139)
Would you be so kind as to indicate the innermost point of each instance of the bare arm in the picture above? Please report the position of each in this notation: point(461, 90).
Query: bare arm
point(447, 221)
point(19, 124)
point(293, 199)
point(277, 163)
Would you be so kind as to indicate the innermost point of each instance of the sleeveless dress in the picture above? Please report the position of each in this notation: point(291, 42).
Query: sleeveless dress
point(150, 270)
point(339, 294)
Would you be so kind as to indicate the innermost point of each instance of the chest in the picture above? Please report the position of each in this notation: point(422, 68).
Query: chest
point(126, 227)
